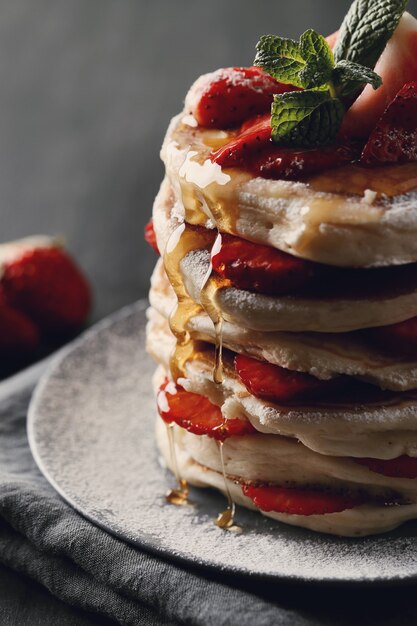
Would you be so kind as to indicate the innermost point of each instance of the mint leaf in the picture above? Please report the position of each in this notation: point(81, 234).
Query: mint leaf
point(313, 45)
point(305, 118)
point(281, 58)
point(366, 29)
point(349, 77)
point(319, 59)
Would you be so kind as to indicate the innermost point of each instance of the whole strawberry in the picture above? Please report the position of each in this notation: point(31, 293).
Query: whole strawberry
point(19, 337)
point(43, 283)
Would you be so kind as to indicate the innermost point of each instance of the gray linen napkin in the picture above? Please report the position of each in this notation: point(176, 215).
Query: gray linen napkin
point(41, 536)
point(44, 538)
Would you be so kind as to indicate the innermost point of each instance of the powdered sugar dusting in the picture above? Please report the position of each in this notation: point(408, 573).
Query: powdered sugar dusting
point(92, 423)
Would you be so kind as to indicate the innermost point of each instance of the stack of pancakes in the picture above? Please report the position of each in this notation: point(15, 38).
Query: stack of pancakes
point(361, 222)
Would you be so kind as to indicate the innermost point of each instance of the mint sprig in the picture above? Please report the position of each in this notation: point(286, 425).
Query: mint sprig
point(367, 27)
point(313, 116)
point(305, 63)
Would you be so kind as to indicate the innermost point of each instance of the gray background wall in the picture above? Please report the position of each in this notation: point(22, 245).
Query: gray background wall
point(86, 91)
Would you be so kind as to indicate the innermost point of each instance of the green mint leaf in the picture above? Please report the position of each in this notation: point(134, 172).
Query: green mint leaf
point(350, 77)
point(305, 118)
point(281, 58)
point(366, 29)
point(313, 45)
point(319, 59)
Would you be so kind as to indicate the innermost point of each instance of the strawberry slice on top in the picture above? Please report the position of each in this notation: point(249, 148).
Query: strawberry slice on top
point(253, 150)
point(197, 414)
point(229, 96)
point(394, 138)
point(299, 501)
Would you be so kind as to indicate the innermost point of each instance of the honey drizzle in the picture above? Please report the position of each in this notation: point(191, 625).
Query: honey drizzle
point(208, 300)
point(182, 241)
point(220, 204)
point(178, 496)
point(226, 518)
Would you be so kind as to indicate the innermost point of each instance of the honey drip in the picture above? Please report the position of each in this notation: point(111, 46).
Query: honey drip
point(208, 300)
point(178, 496)
point(226, 518)
point(182, 241)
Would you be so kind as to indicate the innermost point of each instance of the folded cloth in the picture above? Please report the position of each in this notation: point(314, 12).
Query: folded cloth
point(44, 538)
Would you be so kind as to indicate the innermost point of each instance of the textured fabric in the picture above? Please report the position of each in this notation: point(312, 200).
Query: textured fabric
point(42, 537)
point(81, 564)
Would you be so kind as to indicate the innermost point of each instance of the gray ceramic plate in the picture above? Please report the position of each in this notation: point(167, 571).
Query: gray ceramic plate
point(91, 433)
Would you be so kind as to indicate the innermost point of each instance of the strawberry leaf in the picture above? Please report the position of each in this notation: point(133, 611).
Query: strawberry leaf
point(307, 118)
point(281, 58)
point(366, 29)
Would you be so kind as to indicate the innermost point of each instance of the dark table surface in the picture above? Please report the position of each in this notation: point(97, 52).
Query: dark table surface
point(87, 89)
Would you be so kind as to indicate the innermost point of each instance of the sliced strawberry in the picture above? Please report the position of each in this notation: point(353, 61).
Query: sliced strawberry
point(47, 286)
point(394, 138)
point(197, 414)
point(299, 501)
point(400, 339)
point(260, 268)
point(276, 384)
point(227, 97)
point(19, 337)
point(401, 467)
point(150, 236)
point(396, 66)
point(254, 150)
point(253, 139)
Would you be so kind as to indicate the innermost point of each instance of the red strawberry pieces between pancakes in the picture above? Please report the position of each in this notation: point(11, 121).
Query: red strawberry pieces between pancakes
point(253, 150)
point(276, 384)
point(227, 97)
point(297, 501)
point(150, 236)
point(394, 138)
point(197, 414)
point(262, 269)
point(46, 286)
point(400, 338)
point(401, 467)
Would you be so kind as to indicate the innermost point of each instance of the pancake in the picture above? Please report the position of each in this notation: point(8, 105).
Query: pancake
point(321, 355)
point(295, 313)
point(359, 521)
point(377, 430)
point(349, 217)
point(396, 302)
